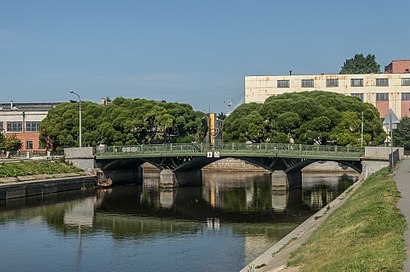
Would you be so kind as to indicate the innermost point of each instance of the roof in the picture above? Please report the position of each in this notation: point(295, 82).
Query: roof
point(28, 106)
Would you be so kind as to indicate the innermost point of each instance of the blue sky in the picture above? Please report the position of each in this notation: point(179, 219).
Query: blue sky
point(195, 52)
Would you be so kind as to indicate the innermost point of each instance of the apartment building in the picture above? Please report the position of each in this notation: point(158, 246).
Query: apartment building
point(385, 91)
point(23, 120)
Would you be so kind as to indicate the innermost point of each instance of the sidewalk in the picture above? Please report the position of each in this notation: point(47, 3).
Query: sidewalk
point(402, 178)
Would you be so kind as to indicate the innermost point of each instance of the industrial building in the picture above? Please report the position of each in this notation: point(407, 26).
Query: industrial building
point(23, 120)
point(388, 90)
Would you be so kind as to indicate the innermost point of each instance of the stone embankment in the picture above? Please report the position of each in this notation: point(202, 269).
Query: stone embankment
point(24, 186)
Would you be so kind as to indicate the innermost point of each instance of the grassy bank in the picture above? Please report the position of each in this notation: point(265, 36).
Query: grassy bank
point(27, 168)
point(365, 234)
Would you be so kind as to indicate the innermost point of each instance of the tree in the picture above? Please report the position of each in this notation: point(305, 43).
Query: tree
point(360, 64)
point(401, 135)
point(2, 139)
point(308, 118)
point(12, 143)
point(123, 122)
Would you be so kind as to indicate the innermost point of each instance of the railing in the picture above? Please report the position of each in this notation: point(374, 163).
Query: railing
point(31, 154)
point(232, 149)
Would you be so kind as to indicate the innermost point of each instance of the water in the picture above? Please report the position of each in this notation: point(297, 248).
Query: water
point(220, 226)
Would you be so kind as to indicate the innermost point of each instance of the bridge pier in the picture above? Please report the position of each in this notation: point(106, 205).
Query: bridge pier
point(170, 179)
point(167, 197)
point(279, 200)
point(282, 181)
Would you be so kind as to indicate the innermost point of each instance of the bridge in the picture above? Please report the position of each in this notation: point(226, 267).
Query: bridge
point(180, 162)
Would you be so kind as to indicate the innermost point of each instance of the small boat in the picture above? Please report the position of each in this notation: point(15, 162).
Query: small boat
point(105, 183)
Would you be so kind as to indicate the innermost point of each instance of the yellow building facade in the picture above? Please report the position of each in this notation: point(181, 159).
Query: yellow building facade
point(385, 91)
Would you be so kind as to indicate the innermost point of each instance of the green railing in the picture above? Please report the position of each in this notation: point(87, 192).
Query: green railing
point(227, 149)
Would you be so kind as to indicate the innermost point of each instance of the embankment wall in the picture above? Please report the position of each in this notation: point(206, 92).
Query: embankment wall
point(40, 187)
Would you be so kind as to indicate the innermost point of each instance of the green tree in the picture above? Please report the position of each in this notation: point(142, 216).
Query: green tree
point(12, 143)
point(123, 122)
point(360, 64)
point(308, 118)
point(401, 135)
point(2, 139)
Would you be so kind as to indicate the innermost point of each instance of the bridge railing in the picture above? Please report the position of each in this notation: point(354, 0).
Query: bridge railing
point(233, 148)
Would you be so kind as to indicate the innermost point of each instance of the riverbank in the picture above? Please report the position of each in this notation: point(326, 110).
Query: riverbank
point(30, 178)
point(15, 171)
point(363, 234)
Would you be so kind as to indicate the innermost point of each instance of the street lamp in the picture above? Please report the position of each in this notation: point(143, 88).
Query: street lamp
point(361, 133)
point(79, 117)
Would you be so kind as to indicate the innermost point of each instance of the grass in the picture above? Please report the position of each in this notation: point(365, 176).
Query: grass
point(365, 234)
point(36, 168)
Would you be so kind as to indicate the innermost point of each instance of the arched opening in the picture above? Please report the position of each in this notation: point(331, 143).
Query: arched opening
point(326, 166)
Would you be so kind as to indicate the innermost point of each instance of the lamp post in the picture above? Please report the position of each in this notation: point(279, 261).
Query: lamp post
point(79, 117)
point(361, 133)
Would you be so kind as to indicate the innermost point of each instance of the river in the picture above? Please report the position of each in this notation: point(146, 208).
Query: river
point(220, 226)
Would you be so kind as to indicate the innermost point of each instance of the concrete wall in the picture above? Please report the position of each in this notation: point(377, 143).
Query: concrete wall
point(381, 152)
point(81, 157)
point(40, 187)
point(371, 167)
point(377, 158)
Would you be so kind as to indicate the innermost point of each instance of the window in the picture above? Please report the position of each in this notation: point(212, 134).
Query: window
point(381, 82)
point(283, 83)
point(382, 97)
point(405, 82)
point(32, 126)
point(1, 126)
point(359, 95)
point(356, 82)
point(405, 96)
point(15, 126)
point(332, 82)
point(29, 145)
point(307, 83)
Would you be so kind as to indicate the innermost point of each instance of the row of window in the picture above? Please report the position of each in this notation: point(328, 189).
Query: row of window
point(17, 126)
point(354, 82)
point(383, 96)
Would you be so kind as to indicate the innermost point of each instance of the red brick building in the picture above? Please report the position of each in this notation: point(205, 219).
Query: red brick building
point(23, 120)
point(398, 67)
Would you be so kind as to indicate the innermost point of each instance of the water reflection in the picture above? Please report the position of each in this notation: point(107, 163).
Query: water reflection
point(229, 197)
point(230, 220)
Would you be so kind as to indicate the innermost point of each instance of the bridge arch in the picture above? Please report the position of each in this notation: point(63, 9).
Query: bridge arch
point(357, 166)
point(200, 162)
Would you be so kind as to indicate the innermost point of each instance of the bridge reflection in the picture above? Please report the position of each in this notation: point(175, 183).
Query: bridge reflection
point(231, 204)
point(233, 197)
point(225, 196)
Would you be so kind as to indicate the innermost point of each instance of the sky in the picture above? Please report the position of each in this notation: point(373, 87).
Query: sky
point(194, 51)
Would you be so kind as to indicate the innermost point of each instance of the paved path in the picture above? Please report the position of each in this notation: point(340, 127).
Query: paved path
point(402, 178)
